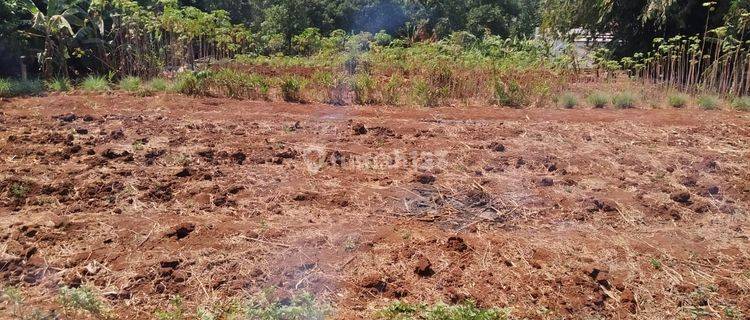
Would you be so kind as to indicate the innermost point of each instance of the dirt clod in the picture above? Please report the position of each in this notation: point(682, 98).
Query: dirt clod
point(497, 147)
point(456, 244)
point(359, 129)
point(181, 231)
point(546, 182)
point(425, 178)
point(680, 197)
point(423, 267)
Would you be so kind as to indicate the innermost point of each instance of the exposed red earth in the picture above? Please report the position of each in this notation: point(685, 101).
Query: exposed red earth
point(553, 213)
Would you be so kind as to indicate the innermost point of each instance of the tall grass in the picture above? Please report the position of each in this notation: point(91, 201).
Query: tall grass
point(624, 100)
point(708, 102)
point(598, 100)
point(13, 88)
point(677, 100)
point(59, 85)
point(741, 104)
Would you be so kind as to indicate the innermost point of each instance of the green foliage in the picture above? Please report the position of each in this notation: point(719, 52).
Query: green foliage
point(510, 94)
point(382, 38)
point(59, 85)
point(598, 100)
point(130, 84)
point(291, 89)
point(568, 100)
point(18, 190)
point(624, 100)
point(424, 94)
point(95, 84)
point(741, 103)
point(235, 84)
point(308, 42)
point(158, 84)
point(391, 93)
point(176, 311)
point(364, 89)
point(85, 300)
point(708, 102)
point(6, 87)
point(190, 83)
point(14, 88)
point(303, 306)
point(677, 100)
point(468, 311)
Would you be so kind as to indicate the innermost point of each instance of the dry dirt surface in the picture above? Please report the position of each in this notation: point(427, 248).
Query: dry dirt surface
point(552, 213)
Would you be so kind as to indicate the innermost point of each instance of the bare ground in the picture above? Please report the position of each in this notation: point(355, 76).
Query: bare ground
point(553, 213)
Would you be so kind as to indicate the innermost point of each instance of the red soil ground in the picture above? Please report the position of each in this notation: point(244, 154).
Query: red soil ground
point(553, 213)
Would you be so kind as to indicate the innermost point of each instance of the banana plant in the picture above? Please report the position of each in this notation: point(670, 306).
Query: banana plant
point(54, 22)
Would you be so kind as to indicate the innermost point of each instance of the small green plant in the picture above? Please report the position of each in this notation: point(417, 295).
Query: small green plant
point(741, 103)
point(598, 100)
point(291, 89)
point(6, 87)
point(624, 100)
point(510, 94)
point(655, 263)
point(59, 85)
point(568, 100)
point(15, 297)
point(83, 299)
point(466, 311)
point(191, 83)
point(176, 310)
point(158, 84)
point(95, 84)
point(18, 191)
point(130, 84)
point(708, 102)
point(302, 306)
point(678, 100)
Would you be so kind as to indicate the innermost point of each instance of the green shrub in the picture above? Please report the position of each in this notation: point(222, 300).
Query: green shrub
point(130, 84)
point(95, 84)
point(708, 102)
point(6, 88)
point(568, 100)
point(59, 85)
point(236, 84)
point(741, 103)
point(598, 100)
point(364, 88)
point(291, 89)
point(390, 94)
point(677, 100)
point(624, 100)
point(158, 84)
point(424, 94)
point(191, 83)
point(510, 94)
point(382, 38)
point(308, 42)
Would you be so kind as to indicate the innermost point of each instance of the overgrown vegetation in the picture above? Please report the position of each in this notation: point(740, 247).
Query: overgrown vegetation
point(83, 300)
point(624, 100)
point(677, 100)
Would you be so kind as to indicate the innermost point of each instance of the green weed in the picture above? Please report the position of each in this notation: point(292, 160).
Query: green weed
point(130, 84)
point(741, 104)
point(467, 311)
point(303, 306)
point(568, 100)
point(708, 102)
point(677, 100)
point(624, 100)
point(598, 100)
point(158, 84)
point(95, 84)
point(85, 300)
point(291, 89)
point(364, 88)
point(510, 94)
point(424, 94)
point(59, 85)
